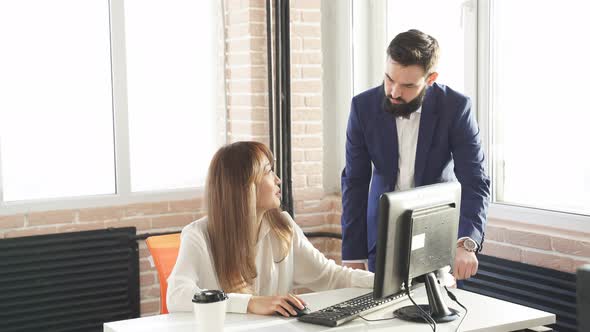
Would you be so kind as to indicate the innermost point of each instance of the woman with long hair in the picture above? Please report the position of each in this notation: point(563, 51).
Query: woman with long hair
point(246, 246)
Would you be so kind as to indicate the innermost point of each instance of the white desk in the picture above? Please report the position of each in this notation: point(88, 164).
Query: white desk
point(486, 314)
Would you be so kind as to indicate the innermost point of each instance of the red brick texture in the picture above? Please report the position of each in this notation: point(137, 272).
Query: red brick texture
point(550, 248)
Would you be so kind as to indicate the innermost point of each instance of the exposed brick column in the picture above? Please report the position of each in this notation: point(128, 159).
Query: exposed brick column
point(314, 208)
point(246, 70)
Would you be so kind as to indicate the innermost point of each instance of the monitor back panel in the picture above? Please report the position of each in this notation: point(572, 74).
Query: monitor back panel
point(433, 240)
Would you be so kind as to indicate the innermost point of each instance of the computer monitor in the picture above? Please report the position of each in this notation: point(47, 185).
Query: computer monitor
point(417, 236)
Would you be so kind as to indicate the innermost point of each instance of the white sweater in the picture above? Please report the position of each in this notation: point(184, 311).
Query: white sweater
point(304, 266)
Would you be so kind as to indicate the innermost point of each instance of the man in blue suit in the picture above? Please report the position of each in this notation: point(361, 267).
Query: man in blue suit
point(410, 132)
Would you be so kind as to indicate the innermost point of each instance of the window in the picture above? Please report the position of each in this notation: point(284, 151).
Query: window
point(171, 75)
point(539, 117)
point(525, 81)
point(67, 130)
point(372, 25)
point(56, 120)
point(452, 23)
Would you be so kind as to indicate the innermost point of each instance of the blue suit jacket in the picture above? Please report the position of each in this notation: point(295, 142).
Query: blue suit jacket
point(448, 149)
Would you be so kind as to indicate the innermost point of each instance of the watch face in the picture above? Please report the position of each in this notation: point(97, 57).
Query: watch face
point(469, 244)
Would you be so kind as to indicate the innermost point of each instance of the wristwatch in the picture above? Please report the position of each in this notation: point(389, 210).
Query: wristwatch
point(468, 244)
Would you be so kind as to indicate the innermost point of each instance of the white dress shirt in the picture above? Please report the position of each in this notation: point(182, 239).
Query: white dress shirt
point(304, 266)
point(407, 140)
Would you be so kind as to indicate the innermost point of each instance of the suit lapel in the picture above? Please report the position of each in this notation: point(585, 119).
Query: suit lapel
point(390, 151)
point(391, 145)
point(428, 121)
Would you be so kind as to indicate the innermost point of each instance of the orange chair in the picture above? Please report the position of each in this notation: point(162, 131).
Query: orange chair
point(164, 251)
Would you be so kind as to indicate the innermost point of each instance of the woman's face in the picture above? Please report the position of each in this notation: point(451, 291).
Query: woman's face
point(268, 192)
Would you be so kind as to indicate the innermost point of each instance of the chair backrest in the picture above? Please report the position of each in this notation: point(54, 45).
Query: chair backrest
point(164, 251)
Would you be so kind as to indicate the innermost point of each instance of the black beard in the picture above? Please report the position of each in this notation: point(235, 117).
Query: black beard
point(404, 109)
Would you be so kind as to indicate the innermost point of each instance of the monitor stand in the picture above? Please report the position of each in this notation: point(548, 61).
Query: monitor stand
point(436, 306)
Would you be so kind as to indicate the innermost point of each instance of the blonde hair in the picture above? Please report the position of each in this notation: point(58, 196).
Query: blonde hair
point(231, 208)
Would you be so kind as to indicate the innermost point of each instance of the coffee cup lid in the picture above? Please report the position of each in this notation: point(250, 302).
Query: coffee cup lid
point(209, 296)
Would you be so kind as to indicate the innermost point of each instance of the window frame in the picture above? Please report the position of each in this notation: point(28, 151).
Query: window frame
point(123, 194)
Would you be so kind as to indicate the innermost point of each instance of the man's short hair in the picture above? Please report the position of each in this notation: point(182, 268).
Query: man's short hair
point(414, 47)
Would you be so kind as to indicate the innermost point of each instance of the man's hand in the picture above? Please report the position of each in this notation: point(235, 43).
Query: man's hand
point(359, 266)
point(465, 264)
point(268, 305)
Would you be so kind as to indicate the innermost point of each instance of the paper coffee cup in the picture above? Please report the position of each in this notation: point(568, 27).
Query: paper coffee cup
point(209, 310)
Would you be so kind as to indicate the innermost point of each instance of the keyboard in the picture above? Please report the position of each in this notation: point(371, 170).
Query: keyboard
point(343, 312)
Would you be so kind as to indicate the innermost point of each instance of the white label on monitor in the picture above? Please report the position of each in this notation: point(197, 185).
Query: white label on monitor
point(418, 241)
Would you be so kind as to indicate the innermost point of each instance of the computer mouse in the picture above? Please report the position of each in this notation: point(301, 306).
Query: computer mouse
point(300, 312)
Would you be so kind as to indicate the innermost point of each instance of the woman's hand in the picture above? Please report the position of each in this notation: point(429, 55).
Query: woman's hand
point(268, 305)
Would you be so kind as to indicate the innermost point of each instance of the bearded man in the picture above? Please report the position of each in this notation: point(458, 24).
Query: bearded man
point(410, 132)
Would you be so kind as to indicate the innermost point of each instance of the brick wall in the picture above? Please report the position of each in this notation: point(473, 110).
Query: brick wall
point(314, 209)
point(246, 70)
point(553, 248)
